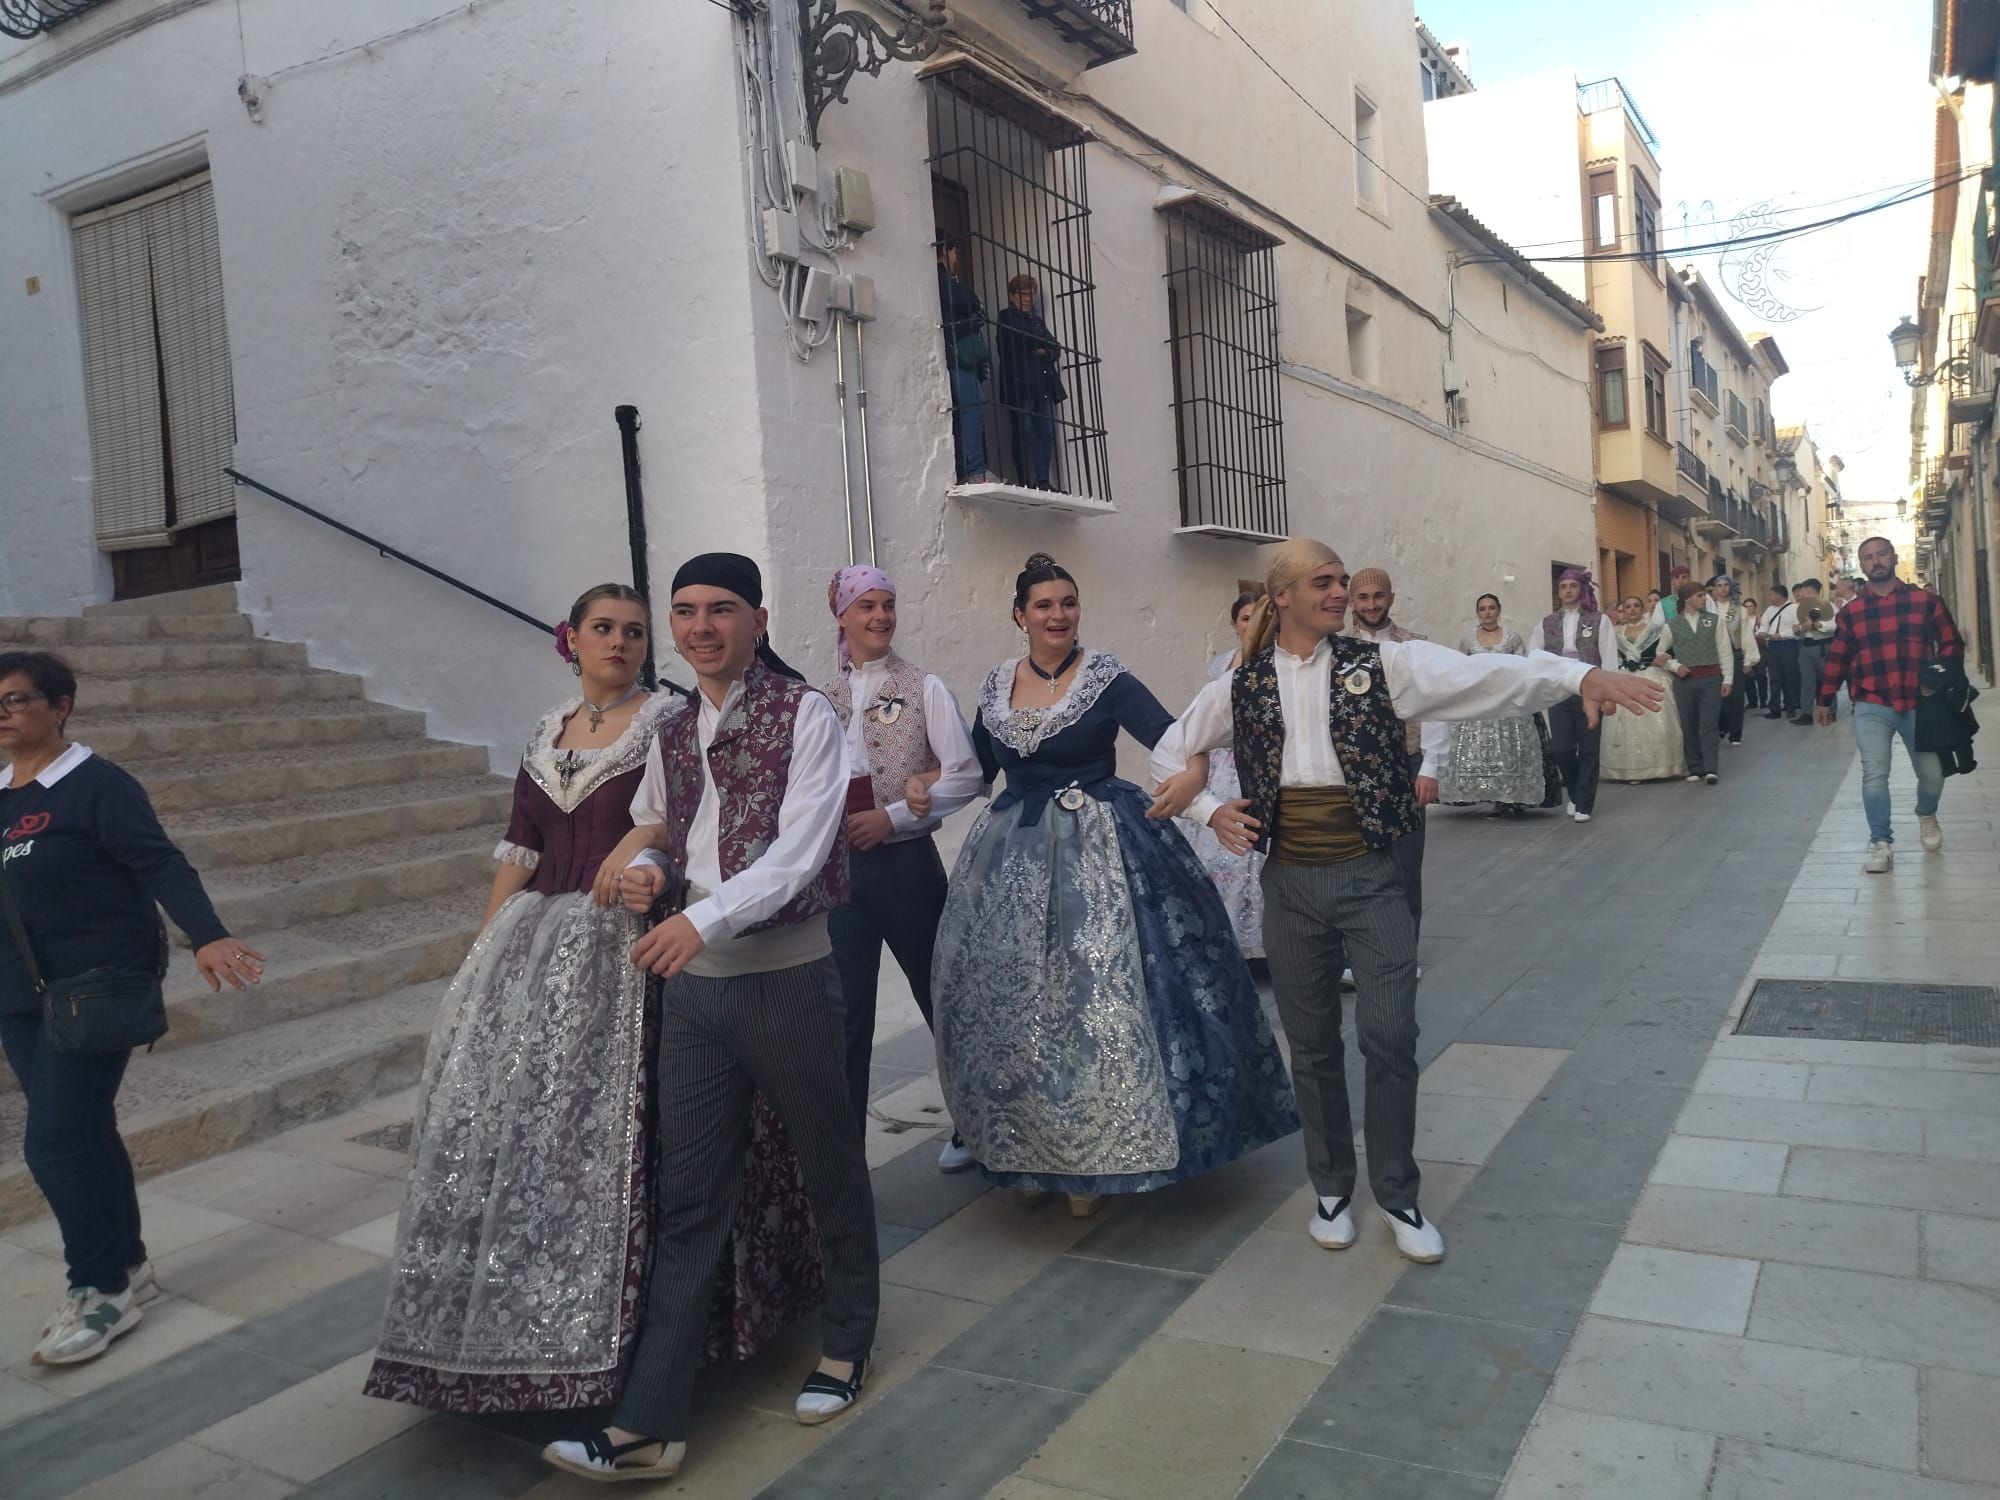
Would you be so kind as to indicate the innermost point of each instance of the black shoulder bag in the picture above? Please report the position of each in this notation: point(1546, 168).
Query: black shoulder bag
point(100, 1010)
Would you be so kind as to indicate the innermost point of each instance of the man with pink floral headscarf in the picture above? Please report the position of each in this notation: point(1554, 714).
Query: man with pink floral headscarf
point(911, 765)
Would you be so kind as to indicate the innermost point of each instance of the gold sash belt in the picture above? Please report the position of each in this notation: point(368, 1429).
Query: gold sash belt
point(1316, 827)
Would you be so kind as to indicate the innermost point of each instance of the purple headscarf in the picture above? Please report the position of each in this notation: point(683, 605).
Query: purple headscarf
point(849, 584)
point(1588, 603)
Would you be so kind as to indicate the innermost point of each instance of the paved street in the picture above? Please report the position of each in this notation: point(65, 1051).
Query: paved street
point(1682, 1262)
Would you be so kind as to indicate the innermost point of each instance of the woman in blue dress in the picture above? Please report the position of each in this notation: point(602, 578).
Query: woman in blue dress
point(1097, 1028)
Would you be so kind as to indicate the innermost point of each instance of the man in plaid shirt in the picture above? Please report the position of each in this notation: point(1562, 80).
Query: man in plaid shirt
point(1881, 641)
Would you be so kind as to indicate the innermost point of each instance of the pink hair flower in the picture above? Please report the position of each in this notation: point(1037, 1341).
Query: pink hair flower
point(565, 641)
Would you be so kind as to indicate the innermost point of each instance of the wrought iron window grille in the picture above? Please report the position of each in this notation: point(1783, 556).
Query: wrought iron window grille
point(29, 18)
point(1222, 339)
point(1011, 200)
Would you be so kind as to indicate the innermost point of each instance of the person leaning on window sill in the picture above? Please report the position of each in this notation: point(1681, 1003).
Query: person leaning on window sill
point(86, 864)
point(1030, 384)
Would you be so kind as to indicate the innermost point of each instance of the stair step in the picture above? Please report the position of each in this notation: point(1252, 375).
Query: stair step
point(56, 634)
point(215, 598)
point(192, 784)
point(132, 739)
point(180, 1107)
point(95, 663)
point(255, 687)
point(313, 887)
point(259, 833)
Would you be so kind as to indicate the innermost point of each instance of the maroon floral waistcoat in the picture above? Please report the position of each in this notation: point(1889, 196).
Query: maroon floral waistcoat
point(1367, 736)
point(750, 760)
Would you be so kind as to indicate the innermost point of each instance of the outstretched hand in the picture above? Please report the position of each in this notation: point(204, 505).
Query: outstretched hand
point(1606, 692)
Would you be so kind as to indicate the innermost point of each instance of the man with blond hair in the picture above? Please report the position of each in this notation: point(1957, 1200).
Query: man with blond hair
point(1316, 722)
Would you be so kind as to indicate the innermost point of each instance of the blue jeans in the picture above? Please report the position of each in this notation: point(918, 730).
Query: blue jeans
point(74, 1152)
point(968, 415)
point(1875, 728)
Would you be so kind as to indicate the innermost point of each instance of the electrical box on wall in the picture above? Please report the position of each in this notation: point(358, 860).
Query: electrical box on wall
point(853, 199)
point(802, 166)
point(781, 234)
point(821, 296)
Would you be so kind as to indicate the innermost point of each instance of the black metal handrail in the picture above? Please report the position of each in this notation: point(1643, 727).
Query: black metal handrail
point(419, 564)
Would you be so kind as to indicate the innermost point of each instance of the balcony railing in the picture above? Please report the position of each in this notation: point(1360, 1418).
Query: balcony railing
point(1691, 465)
point(1971, 369)
point(1703, 381)
point(1101, 27)
point(1610, 93)
point(1739, 419)
point(26, 18)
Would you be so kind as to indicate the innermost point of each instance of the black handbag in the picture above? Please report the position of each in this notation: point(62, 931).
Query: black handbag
point(100, 1010)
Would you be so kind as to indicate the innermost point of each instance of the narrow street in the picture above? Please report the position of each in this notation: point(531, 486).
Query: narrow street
point(1703, 1321)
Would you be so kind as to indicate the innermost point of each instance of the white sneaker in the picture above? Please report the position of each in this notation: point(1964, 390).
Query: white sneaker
point(1581, 817)
point(1570, 808)
point(1880, 857)
point(1931, 833)
point(1695, 777)
point(87, 1327)
point(1417, 1238)
point(1347, 979)
point(139, 1281)
point(597, 1457)
point(956, 1155)
point(1332, 1226)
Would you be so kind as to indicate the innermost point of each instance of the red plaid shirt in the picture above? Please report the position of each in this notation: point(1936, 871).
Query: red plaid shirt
point(1880, 642)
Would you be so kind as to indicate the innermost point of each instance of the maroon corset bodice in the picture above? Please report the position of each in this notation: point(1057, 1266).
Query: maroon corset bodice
point(571, 844)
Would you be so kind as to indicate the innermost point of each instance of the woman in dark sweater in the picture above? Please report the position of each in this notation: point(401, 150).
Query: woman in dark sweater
point(86, 861)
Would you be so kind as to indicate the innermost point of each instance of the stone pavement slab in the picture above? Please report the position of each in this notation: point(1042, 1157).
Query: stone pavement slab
point(1645, 1284)
point(1960, 1249)
point(1857, 1236)
point(1749, 1471)
point(1933, 1323)
point(1961, 1435)
point(1730, 1166)
point(1580, 1455)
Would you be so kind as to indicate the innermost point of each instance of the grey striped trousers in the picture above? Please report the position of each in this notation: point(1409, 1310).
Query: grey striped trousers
point(781, 1034)
point(1319, 919)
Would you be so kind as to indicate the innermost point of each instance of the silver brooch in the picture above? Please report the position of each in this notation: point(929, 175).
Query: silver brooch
point(1588, 631)
point(888, 711)
point(1070, 798)
point(1358, 681)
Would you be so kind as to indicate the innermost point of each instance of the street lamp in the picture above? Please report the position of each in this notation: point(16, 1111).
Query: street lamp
point(1906, 339)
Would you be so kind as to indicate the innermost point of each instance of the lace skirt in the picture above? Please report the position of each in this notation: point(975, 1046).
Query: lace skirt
point(521, 1256)
point(1097, 1029)
point(1494, 760)
point(1644, 747)
point(1238, 878)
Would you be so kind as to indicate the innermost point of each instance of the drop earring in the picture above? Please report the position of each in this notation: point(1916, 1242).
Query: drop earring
point(576, 666)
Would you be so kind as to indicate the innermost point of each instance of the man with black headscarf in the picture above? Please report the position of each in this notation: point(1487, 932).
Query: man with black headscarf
point(745, 792)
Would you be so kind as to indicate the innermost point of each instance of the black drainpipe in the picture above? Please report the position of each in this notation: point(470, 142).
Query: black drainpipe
point(635, 521)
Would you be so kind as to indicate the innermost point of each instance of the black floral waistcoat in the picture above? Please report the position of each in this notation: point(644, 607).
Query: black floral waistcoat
point(1367, 736)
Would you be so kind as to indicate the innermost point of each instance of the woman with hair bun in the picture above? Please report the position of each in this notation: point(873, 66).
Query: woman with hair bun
point(1097, 1028)
point(520, 1258)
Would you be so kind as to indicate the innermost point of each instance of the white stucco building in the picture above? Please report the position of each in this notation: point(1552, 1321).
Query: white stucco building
point(430, 248)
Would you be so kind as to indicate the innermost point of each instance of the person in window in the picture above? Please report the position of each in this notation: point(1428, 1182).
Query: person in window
point(1030, 385)
point(87, 863)
point(970, 362)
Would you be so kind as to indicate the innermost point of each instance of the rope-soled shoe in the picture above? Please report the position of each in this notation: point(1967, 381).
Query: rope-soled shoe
point(824, 1397)
point(597, 1457)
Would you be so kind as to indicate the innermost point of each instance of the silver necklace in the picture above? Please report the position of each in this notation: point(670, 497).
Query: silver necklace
point(597, 713)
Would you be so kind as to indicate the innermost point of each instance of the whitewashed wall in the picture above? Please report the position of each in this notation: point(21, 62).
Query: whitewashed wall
point(447, 257)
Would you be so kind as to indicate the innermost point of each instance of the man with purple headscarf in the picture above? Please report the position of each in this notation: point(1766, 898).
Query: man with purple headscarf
point(1579, 630)
point(911, 765)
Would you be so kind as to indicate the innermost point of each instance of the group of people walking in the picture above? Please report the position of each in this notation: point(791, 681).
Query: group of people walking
point(640, 1140)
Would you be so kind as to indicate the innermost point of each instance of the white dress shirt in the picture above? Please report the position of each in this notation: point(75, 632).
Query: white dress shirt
point(959, 779)
point(1426, 681)
point(1605, 650)
point(1781, 622)
point(809, 818)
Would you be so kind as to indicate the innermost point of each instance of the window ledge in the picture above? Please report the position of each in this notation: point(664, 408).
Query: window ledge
point(1000, 492)
point(1230, 533)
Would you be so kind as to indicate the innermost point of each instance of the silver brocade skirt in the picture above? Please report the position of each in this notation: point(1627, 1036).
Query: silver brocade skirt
point(511, 1251)
point(1238, 877)
point(1494, 760)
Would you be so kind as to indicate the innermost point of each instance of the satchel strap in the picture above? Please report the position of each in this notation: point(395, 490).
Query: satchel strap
point(19, 929)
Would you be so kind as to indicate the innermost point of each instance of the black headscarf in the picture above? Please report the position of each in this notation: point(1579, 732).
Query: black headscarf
point(739, 575)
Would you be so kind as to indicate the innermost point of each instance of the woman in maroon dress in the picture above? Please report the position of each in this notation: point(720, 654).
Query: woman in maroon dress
point(521, 1252)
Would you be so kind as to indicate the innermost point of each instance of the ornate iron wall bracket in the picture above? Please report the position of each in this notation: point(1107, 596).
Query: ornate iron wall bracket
point(834, 45)
point(27, 18)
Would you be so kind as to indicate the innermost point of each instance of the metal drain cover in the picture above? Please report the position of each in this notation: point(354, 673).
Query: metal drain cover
point(1832, 1010)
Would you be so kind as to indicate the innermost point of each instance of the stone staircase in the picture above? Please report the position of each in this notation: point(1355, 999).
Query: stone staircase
point(334, 837)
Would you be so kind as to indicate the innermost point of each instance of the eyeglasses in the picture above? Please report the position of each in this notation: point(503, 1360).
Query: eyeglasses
point(13, 703)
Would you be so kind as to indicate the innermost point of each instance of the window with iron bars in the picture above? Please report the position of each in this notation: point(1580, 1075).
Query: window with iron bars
point(1222, 337)
point(1015, 289)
